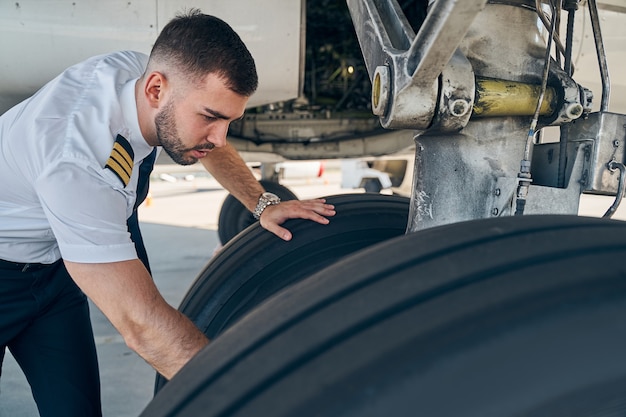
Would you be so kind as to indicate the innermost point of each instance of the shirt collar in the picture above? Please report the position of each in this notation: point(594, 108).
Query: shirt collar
point(131, 121)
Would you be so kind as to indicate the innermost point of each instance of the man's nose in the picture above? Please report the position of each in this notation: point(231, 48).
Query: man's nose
point(217, 135)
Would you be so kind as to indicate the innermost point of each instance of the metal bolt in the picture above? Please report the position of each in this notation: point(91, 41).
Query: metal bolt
point(574, 111)
point(459, 107)
point(495, 211)
point(497, 192)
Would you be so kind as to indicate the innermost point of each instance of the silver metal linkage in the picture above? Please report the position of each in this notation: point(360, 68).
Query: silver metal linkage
point(613, 165)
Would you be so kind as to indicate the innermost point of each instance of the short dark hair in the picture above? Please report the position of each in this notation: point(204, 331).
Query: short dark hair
point(197, 44)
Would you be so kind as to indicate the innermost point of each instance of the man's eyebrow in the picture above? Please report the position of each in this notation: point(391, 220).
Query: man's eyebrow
point(219, 115)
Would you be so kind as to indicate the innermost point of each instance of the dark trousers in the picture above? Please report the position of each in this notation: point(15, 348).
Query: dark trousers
point(45, 323)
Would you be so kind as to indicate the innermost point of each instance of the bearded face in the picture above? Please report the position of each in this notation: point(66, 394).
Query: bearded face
point(169, 138)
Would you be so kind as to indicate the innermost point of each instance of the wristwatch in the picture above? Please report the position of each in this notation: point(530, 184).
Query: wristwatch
point(266, 199)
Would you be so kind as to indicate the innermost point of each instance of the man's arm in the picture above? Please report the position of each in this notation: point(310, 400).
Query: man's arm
point(230, 170)
point(126, 294)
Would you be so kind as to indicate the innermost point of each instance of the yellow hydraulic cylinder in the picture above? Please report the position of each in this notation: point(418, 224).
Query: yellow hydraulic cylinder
point(509, 98)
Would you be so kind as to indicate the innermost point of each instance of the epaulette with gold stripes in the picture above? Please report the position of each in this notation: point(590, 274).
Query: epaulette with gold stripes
point(121, 159)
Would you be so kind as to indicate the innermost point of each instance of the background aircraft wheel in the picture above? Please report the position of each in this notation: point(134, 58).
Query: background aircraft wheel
point(256, 264)
point(500, 317)
point(234, 217)
point(372, 185)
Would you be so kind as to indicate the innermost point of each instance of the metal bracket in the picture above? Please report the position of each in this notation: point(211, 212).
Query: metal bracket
point(608, 133)
point(404, 67)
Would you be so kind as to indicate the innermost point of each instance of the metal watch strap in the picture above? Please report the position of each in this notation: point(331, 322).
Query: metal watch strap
point(266, 199)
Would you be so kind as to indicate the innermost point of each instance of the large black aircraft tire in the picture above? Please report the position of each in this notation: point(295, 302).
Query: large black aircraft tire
point(256, 264)
point(502, 317)
point(235, 217)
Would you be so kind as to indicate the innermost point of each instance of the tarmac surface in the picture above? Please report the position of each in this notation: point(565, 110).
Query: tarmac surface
point(179, 223)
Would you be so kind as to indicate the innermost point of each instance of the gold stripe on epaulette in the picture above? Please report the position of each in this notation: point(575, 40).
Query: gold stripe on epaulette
point(122, 157)
point(121, 163)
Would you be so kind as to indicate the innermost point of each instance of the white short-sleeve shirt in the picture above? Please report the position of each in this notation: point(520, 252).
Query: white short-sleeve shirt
point(60, 195)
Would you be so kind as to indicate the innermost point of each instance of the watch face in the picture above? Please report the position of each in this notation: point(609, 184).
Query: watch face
point(271, 197)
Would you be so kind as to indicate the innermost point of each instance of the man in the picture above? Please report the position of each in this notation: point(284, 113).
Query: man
point(70, 158)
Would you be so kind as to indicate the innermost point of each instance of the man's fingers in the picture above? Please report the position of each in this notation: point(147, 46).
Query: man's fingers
point(315, 210)
point(318, 206)
point(279, 231)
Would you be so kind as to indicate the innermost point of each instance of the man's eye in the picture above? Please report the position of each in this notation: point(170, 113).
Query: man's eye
point(208, 118)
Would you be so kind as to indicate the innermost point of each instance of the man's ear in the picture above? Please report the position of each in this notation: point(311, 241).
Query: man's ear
point(155, 89)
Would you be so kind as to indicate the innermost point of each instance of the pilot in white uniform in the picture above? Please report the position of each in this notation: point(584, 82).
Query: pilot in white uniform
point(70, 158)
